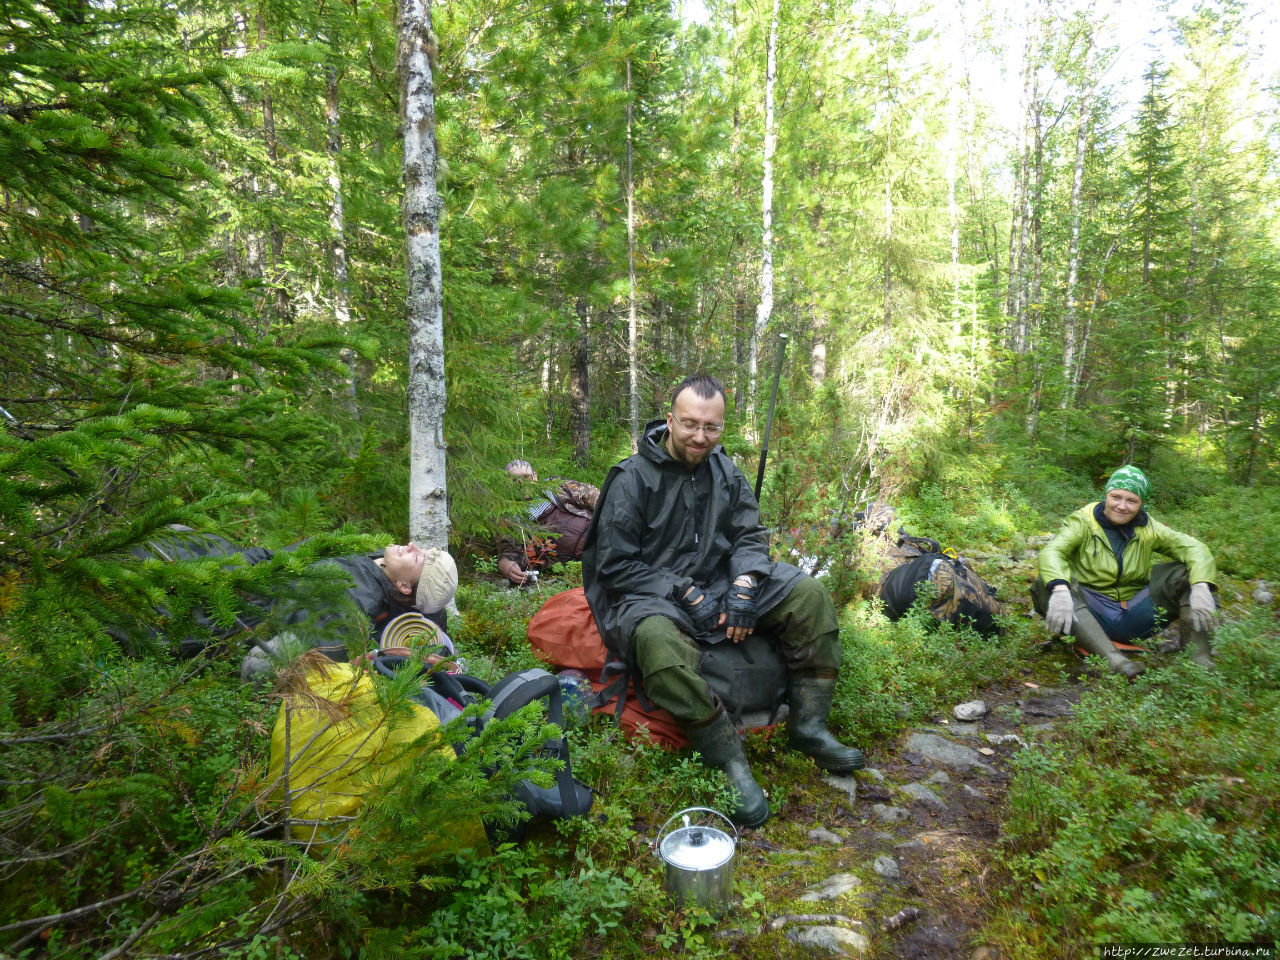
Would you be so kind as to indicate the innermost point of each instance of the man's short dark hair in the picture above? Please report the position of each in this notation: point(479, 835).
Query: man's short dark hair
point(702, 386)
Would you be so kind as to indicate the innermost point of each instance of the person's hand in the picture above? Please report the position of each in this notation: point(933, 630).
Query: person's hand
point(740, 609)
point(1059, 615)
point(701, 610)
point(1202, 607)
point(511, 570)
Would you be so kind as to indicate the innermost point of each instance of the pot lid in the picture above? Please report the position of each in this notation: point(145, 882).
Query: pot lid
point(697, 848)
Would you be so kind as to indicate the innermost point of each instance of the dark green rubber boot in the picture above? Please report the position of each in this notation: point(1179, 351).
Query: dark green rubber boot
point(720, 746)
point(809, 699)
point(1090, 635)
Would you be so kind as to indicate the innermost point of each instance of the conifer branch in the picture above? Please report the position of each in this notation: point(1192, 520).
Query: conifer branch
point(21, 111)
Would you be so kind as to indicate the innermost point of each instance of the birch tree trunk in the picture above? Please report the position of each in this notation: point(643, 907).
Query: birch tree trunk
point(953, 211)
point(633, 330)
point(1077, 372)
point(338, 231)
point(818, 354)
point(1015, 301)
point(764, 309)
point(416, 52)
point(1069, 308)
point(742, 321)
point(1033, 307)
point(579, 388)
point(548, 413)
point(886, 269)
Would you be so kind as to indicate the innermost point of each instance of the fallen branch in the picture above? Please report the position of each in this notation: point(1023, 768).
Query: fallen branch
point(901, 918)
point(777, 923)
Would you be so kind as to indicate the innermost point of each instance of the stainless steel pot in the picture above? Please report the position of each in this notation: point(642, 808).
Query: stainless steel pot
point(698, 858)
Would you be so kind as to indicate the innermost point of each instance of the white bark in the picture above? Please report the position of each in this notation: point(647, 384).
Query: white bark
point(1073, 256)
point(764, 310)
point(633, 328)
point(953, 208)
point(428, 505)
point(338, 232)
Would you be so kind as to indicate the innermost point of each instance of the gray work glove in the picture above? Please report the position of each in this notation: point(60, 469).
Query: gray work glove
point(1057, 619)
point(1202, 607)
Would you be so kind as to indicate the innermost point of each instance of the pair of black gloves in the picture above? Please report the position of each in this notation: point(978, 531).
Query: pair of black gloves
point(739, 606)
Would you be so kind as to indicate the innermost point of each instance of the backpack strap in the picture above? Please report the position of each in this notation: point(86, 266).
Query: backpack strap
point(518, 689)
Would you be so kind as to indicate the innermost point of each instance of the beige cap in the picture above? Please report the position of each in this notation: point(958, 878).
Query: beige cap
point(439, 581)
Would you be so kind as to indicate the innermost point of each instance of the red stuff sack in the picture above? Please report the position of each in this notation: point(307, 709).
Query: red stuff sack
point(563, 633)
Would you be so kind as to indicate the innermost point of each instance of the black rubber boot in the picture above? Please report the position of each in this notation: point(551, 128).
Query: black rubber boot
point(1199, 642)
point(809, 699)
point(720, 746)
point(1090, 635)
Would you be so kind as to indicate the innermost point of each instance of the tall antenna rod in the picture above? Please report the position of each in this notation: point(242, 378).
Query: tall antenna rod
point(768, 423)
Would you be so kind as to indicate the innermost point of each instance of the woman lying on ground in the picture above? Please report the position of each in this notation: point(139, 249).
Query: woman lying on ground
point(1098, 582)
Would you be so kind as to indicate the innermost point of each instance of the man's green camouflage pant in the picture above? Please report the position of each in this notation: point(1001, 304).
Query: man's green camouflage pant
point(803, 624)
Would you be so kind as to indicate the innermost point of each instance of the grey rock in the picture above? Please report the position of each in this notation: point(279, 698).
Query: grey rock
point(846, 783)
point(883, 837)
point(837, 940)
point(888, 814)
point(1262, 595)
point(937, 778)
point(823, 835)
point(887, 867)
point(835, 886)
point(949, 754)
point(873, 774)
point(971, 792)
point(1039, 728)
point(943, 728)
point(985, 953)
point(972, 710)
point(915, 843)
point(1046, 706)
point(918, 791)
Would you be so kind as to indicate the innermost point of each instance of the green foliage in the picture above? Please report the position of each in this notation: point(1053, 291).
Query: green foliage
point(1239, 527)
point(1150, 818)
point(515, 903)
point(896, 673)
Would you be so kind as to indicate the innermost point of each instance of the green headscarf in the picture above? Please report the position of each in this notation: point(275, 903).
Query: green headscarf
point(1129, 478)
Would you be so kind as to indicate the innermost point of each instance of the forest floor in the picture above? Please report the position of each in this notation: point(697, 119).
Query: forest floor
point(903, 866)
point(899, 861)
point(906, 863)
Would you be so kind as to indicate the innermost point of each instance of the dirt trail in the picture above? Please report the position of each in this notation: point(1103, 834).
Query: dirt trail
point(920, 837)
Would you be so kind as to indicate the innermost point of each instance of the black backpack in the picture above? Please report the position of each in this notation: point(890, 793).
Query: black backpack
point(447, 694)
point(749, 678)
point(960, 595)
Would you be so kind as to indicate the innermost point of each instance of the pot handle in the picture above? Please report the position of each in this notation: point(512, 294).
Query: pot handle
point(680, 813)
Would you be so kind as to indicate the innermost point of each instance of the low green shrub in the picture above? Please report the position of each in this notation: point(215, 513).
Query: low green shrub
point(1152, 818)
point(1241, 527)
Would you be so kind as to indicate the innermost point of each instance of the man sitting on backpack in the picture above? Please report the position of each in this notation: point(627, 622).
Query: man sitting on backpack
point(675, 552)
point(1098, 582)
point(554, 529)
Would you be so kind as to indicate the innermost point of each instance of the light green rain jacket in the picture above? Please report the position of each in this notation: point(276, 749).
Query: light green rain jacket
point(1080, 551)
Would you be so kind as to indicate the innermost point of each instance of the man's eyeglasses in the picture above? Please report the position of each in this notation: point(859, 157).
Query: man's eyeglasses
point(709, 430)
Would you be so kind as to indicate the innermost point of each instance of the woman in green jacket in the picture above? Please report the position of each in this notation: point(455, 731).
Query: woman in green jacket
point(1098, 582)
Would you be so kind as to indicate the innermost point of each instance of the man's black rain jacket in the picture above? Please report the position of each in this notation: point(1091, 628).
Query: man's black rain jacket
point(659, 527)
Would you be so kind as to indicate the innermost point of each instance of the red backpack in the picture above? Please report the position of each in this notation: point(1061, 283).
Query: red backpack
point(563, 633)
